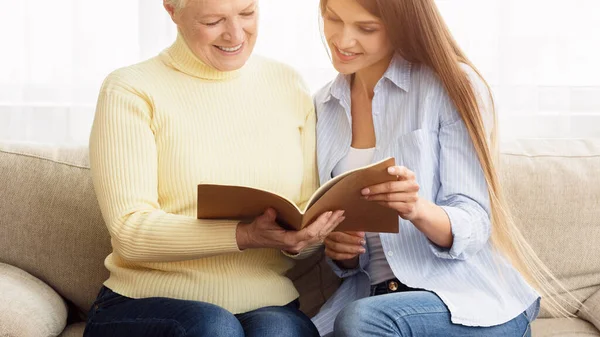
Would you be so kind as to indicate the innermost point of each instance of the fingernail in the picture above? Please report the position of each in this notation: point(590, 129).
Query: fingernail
point(329, 214)
point(391, 170)
point(342, 219)
point(362, 234)
point(362, 250)
point(363, 242)
point(342, 213)
point(365, 191)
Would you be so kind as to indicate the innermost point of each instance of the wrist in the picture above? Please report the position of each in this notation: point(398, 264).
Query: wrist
point(242, 236)
point(420, 212)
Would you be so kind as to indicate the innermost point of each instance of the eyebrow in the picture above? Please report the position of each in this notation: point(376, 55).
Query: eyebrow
point(370, 22)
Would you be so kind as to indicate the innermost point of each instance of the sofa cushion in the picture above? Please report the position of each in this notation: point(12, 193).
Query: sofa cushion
point(29, 307)
point(315, 282)
point(553, 188)
point(591, 310)
point(51, 224)
point(563, 327)
point(74, 330)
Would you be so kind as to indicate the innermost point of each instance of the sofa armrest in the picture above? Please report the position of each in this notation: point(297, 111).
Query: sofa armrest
point(591, 310)
point(29, 307)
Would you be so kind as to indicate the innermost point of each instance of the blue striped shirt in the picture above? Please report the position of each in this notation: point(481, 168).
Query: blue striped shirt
point(417, 124)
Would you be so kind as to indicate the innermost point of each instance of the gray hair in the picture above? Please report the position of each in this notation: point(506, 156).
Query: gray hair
point(178, 4)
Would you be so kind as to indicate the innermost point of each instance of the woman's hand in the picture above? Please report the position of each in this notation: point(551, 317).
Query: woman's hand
point(401, 195)
point(264, 232)
point(345, 247)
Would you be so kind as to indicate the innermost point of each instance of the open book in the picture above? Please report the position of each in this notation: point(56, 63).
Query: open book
point(340, 193)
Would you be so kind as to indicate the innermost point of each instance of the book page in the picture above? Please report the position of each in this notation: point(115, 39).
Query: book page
point(245, 203)
point(360, 214)
point(328, 185)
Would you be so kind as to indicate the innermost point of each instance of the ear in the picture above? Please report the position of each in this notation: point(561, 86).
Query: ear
point(170, 9)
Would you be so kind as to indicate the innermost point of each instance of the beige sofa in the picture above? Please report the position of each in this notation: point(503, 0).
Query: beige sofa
point(53, 240)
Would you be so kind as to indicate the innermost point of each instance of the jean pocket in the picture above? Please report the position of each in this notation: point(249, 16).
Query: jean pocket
point(527, 332)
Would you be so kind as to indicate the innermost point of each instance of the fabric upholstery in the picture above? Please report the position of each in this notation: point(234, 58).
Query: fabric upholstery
point(553, 188)
point(563, 327)
point(591, 310)
point(50, 221)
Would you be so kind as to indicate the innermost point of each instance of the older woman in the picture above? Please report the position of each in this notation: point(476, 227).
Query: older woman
point(202, 111)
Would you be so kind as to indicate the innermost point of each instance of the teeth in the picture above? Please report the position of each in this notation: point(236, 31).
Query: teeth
point(230, 50)
point(346, 53)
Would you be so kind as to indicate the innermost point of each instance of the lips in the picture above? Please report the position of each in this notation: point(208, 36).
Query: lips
point(345, 55)
point(230, 49)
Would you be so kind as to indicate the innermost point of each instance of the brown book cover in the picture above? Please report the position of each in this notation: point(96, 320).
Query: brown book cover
point(340, 193)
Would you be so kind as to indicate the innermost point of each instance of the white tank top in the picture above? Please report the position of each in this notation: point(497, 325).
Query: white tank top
point(378, 267)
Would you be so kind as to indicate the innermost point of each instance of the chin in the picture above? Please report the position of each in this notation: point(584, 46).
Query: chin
point(345, 68)
point(232, 65)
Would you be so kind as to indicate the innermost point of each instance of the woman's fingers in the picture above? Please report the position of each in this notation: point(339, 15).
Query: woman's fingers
point(344, 248)
point(344, 245)
point(405, 186)
point(353, 238)
point(338, 256)
point(401, 172)
point(320, 228)
point(394, 197)
point(400, 207)
point(337, 218)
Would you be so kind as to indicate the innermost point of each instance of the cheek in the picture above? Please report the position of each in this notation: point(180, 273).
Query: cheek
point(385, 43)
point(329, 30)
point(376, 45)
point(206, 36)
point(251, 26)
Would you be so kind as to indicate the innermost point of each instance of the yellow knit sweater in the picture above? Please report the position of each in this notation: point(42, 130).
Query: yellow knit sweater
point(164, 126)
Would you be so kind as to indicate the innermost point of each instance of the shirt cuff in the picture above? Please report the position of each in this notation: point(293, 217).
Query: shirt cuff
point(363, 261)
point(461, 226)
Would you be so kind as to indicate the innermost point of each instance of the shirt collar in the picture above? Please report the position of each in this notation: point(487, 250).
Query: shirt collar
point(339, 88)
point(399, 72)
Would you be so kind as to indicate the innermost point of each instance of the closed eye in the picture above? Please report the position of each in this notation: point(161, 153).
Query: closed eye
point(213, 23)
point(367, 29)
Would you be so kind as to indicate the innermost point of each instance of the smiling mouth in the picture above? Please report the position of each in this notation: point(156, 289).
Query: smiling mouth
point(345, 53)
point(231, 49)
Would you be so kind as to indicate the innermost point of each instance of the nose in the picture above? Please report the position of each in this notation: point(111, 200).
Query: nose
point(234, 32)
point(346, 38)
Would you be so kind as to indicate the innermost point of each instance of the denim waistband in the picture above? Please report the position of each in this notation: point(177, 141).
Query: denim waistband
point(389, 287)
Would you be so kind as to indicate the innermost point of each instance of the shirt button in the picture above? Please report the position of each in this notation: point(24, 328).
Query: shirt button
point(390, 253)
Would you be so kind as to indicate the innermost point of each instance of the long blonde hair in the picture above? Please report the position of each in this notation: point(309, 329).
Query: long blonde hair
point(420, 35)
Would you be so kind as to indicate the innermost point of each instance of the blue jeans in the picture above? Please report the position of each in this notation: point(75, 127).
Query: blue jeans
point(119, 316)
point(414, 313)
